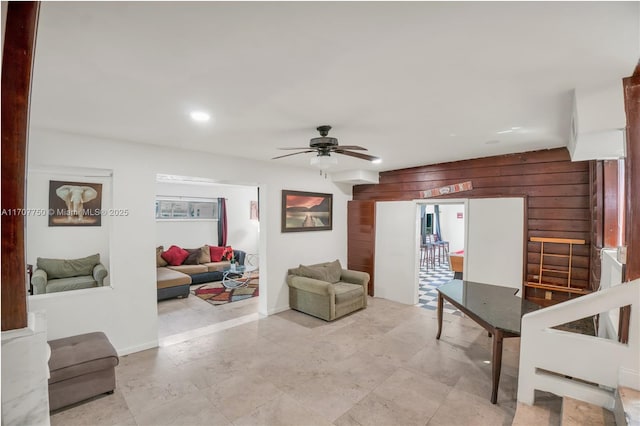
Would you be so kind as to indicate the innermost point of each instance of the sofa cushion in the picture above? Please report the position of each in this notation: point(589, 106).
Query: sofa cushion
point(66, 268)
point(315, 272)
point(71, 283)
point(329, 272)
point(189, 269)
point(346, 292)
point(216, 253)
point(193, 258)
point(175, 255)
point(160, 262)
point(334, 271)
point(205, 254)
point(166, 278)
point(217, 266)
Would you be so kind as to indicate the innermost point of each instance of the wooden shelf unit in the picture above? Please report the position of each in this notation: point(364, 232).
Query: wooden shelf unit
point(550, 268)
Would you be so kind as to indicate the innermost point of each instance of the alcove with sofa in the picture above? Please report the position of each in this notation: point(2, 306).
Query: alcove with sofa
point(55, 275)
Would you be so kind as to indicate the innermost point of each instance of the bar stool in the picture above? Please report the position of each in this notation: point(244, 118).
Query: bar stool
point(443, 249)
point(428, 252)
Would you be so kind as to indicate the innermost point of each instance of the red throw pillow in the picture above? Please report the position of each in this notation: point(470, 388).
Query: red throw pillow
point(175, 255)
point(216, 253)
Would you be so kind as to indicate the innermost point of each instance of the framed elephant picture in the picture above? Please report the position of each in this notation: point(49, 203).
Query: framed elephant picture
point(75, 203)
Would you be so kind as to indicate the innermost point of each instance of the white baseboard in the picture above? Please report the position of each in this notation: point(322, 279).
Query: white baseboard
point(137, 348)
point(274, 311)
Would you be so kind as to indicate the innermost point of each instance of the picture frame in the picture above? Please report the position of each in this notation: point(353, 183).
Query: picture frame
point(306, 211)
point(75, 203)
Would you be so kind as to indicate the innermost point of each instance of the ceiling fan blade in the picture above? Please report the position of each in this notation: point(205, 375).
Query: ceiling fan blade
point(300, 147)
point(295, 153)
point(357, 155)
point(352, 147)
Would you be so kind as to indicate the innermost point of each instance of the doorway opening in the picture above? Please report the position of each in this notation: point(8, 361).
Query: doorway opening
point(216, 221)
point(442, 236)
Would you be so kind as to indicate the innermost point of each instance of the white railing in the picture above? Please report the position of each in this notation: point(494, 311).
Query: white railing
point(562, 362)
point(610, 276)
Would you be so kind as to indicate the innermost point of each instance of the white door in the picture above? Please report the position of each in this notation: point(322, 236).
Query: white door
point(495, 241)
point(397, 257)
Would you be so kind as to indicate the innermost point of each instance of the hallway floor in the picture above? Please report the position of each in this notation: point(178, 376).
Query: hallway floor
point(429, 280)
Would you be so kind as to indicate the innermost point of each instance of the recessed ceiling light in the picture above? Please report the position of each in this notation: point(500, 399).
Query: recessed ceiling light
point(377, 161)
point(200, 116)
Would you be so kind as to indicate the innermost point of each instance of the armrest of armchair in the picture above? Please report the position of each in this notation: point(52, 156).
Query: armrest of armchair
point(99, 273)
point(311, 285)
point(39, 281)
point(355, 277)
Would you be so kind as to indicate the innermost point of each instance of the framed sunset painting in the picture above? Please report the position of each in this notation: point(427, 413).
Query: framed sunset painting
point(306, 211)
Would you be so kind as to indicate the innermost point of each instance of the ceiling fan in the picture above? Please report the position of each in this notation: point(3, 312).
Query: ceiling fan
point(325, 145)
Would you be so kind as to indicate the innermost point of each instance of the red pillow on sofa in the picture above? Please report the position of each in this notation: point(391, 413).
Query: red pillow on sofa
point(175, 255)
point(216, 253)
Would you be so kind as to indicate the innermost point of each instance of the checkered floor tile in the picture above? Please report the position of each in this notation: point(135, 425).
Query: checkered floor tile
point(429, 281)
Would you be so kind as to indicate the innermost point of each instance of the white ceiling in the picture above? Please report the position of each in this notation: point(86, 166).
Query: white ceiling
point(416, 83)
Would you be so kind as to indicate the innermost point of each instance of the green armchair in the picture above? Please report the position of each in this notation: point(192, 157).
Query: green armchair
point(54, 275)
point(327, 291)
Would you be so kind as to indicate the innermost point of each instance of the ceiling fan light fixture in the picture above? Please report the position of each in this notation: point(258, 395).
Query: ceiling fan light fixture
point(323, 162)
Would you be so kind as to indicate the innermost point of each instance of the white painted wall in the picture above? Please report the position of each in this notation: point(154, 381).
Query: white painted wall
point(65, 242)
point(452, 228)
point(495, 241)
point(242, 232)
point(127, 311)
point(397, 262)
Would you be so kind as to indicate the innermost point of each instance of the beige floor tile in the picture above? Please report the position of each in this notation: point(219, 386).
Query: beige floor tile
point(102, 410)
point(282, 411)
point(192, 350)
point(392, 351)
point(439, 365)
point(376, 411)
point(363, 369)
point(287, 372)
point(143, 364)
point(413, 393)
point(464, 409)
point(188, 410)
point(241, 394)
point(481, 386)
point(143, 393)
point(381, 365)
point(330, 396)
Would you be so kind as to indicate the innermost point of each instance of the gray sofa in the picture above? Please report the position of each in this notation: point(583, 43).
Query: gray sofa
point(54, 275)
point(327, 291)
point(175, 281)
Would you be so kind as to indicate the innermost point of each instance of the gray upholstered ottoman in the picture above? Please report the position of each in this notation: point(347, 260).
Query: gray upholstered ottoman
point(81, 367)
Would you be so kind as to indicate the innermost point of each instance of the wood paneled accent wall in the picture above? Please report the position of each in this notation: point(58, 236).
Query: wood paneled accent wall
point(361, 223)
point(557, 192)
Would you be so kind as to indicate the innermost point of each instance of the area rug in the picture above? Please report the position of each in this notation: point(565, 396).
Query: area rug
point(217, 294)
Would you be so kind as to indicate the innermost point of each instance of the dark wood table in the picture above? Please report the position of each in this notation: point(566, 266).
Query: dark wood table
point(497, 309)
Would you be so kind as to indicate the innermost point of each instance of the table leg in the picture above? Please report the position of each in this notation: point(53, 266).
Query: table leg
point(496, 364)
point(440, 309)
